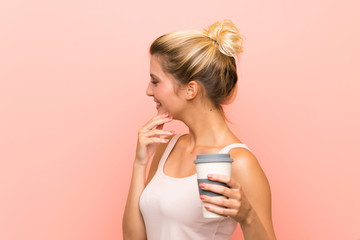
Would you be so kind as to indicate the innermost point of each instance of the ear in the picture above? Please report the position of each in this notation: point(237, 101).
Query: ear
point(192, 89)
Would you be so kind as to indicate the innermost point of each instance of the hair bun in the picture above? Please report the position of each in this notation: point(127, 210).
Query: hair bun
point(227, 36)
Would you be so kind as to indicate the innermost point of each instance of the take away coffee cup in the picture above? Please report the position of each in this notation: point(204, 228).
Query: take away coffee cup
point(217, 163)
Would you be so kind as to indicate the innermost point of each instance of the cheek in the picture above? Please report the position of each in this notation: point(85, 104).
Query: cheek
point(164, 92)
point(157, 92)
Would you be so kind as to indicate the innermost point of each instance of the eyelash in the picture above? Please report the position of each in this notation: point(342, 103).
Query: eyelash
point(154, 82)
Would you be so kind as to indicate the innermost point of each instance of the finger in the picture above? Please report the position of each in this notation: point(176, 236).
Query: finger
point(221, 201)
point(220, 210)
point(155, 140)
point(157, 132)
point(157, 122)
point(164, 115)
point(225, 191)
point(232, 183)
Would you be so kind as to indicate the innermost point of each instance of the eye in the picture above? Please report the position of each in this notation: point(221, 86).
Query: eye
point(154, 80)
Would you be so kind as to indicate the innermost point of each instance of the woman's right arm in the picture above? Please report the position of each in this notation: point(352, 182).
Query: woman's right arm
point(149, 137)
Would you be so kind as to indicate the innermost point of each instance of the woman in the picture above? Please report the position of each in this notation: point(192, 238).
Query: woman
point(192, 74)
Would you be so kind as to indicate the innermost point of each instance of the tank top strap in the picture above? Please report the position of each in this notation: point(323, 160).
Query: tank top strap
point(227, 148)
point(168, 149)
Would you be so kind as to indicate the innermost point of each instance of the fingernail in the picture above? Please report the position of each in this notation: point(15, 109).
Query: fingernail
point(210, 176)
point(201, 185)
point(165, 140)
point(207, 207)
point(172, 132)
point(202, 197)
point(165, 114)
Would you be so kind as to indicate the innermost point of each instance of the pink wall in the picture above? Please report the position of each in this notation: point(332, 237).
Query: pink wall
point(72, 96)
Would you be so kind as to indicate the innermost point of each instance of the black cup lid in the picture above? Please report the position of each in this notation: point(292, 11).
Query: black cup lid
point(214, 157)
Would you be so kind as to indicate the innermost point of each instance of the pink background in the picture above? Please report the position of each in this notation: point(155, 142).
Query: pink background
point(73, 76)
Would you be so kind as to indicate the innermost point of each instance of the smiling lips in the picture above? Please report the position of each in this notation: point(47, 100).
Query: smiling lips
point(157, 104)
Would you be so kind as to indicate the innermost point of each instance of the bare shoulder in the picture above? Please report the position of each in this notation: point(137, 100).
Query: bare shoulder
point(244, 160)
point(156, 159)
point(247, 170)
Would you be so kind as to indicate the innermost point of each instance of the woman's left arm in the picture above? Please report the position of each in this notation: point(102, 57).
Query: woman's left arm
point(248, 196)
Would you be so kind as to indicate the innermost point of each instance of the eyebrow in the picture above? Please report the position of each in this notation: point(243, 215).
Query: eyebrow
point(154, 76)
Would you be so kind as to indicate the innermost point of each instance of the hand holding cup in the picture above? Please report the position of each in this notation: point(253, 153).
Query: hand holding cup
point(233, 204)
point(206, 164)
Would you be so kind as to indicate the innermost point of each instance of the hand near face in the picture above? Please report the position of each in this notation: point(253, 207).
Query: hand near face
point(234, 205)
point(150, 135)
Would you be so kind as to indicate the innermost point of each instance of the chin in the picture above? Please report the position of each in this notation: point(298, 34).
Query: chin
point(161, 111)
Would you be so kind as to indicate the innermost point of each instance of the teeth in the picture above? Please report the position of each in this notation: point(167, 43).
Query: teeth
point(158, 104)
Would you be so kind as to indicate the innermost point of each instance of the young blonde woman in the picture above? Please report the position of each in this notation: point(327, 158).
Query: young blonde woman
point(192, 74)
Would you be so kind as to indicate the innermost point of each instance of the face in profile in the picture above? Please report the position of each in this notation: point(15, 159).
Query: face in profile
point(163, 88)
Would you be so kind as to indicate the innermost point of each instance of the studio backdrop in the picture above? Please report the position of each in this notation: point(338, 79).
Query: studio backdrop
point(73, 76)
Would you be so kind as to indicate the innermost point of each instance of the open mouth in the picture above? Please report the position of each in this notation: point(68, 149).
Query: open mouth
point(158, 105)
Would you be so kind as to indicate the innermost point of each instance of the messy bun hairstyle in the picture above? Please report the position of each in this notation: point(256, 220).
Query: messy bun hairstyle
point(206, 57)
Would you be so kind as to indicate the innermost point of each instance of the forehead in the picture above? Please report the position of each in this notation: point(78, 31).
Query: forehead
point(156, 68)
point(155, 65)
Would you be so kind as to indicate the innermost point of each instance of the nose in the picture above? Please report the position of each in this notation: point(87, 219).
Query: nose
point(149, 90)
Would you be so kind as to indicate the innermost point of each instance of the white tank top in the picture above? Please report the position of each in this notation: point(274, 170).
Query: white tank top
point(171, 207)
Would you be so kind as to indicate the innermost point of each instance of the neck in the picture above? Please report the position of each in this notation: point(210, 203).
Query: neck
point(207, 127)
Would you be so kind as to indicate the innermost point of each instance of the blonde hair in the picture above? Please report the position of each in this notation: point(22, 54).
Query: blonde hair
point(206, 57)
